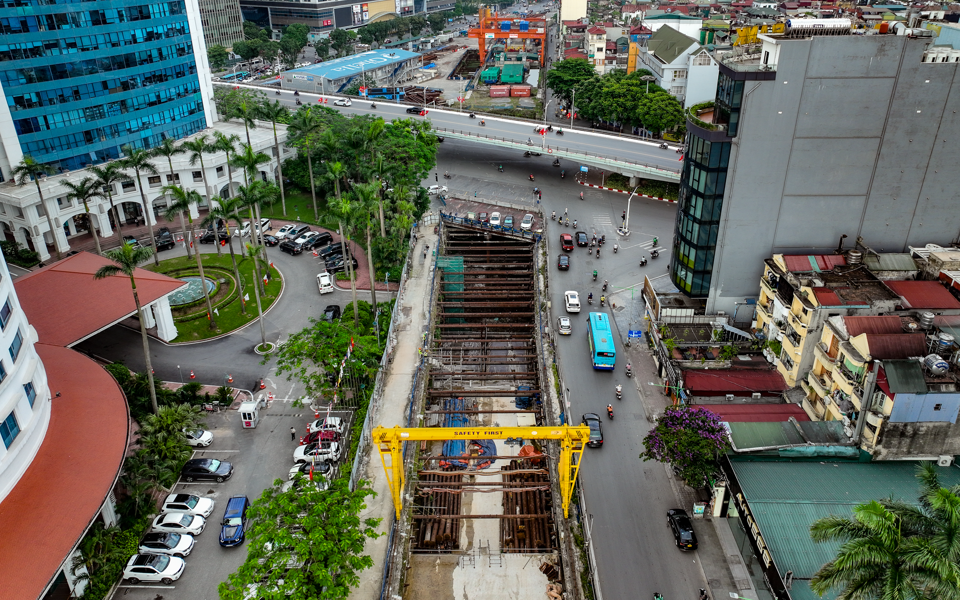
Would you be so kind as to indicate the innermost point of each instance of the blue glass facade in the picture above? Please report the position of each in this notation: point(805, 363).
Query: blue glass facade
point(84, 78)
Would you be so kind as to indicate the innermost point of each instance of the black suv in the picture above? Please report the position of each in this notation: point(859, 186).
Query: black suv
point(336, 264)
point(164, 239)
point(334, 249)
point(307, 241)
point(210, 237)
point(331, 313)
point(414, 110)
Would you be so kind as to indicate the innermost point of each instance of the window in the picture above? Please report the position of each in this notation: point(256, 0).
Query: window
point(30, 392)
point(197, 176)
point(220, 172)
point(128, 186)
point(702, 60)
point(5, 313)
point(16, 345)
point(9, 430)
point(154, 181)
point(174, 179)
point(937, 407)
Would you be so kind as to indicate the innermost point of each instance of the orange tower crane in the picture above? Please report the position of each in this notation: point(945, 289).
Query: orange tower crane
point(491, 28)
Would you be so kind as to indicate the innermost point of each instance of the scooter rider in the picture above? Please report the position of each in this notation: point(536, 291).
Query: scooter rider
point(615, 248)
point(590, 298)
point(553, 215)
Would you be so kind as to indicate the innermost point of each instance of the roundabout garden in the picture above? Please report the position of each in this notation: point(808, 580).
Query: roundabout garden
point(234, 304)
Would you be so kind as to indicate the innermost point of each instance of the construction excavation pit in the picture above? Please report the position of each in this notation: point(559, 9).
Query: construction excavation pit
point(483, 511)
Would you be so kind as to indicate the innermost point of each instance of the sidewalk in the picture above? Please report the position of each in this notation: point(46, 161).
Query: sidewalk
point(414, 309)
point(724, 572)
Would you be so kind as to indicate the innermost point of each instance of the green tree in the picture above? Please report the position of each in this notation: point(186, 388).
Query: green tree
point(181, 201)
point(226, 209)
point(276, 113)
point(417, 24)
point(30, 170)
point(689, 439)
point(125, 259)
point(320, 529)
point(96, 550)
point(228, 99)
point(107, 176)
point(367, 196)
point(228, 145)
point(567, 74)
point(167, 148)
point(252, 252)
point(245, 111)
point(139, 161)
point(345, 209)
point(84, 191)
point(248, 49)
point(323, 48)
point(659, 111)
point(302, 133)
point(217, 55)
point(437, 21)
point(341, 39)
point(249, 161)
point(195, 148)
point(251, 31)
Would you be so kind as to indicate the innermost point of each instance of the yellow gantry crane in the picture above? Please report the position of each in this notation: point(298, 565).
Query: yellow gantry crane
point(390, 441)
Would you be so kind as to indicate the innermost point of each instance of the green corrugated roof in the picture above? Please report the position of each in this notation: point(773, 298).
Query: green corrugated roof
point(668, 43)
point(512, 73)
point(905, 376)
point(764, 435)
point(890, 262)
point(787, 497)
point(801, 591)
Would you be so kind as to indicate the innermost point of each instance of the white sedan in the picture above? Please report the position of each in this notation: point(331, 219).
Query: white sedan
point(342, 102)
point(177, 522)
point(335, 423)
point(320, 451)
point(494, 219)
point(198, 438)
point(564, 326)
point(153, 567)
point(188, 503)
point(437, 189)
point(571, 301)
point(527, 223)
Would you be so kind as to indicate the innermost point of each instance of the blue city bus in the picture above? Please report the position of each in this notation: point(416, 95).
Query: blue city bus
point(600, 336)
point(237, 75)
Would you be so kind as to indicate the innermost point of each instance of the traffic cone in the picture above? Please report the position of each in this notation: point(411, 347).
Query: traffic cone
point(192, 376)
point(229, 378)
point(316, 414)
point(262, 385)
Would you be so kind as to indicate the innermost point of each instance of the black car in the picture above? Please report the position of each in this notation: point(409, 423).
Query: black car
point(331, 250)
point(679, 523)
point(305, 242)
point(270, 240)
point(322, 238)
point(414, 110)
point(337, 265)
point(208, 237)
point(563, 262)
point(209, 469)
point(582, 239)
point(331, 313)
point(592, 420)
point(164, 239)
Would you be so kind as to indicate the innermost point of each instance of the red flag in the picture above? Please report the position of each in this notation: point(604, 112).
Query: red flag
point(681, 158)
point(311, 470)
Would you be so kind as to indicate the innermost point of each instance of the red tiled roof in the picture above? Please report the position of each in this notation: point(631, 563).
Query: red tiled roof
point(891, 346)
point(574, 53)
point(923, 294)
point(639, 29)
point(740, 382)
point(827, 297)
point(597, 30)
point(611, 45)
point(802, 263)
point(70, 477)
point(91, 304)
point(757, 413)
point(872, 325)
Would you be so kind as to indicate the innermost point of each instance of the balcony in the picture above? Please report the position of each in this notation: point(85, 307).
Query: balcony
point(823, 354)
point(766, 310)
point(765, 284)
point(814, 408)
point(819, 384)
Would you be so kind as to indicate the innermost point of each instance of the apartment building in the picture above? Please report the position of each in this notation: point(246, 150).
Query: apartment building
point(680, 65)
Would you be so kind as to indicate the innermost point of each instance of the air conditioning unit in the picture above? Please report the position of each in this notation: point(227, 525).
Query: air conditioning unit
point(944, 460)
point(729, 397)
point(755, 395)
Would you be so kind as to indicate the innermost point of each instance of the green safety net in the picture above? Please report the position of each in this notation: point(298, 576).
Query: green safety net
point(452, 267)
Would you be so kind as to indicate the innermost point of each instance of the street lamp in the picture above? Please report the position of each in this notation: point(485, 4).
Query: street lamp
point(573, 99)
point(544, 135)
point(648, 79)
point(181, 373)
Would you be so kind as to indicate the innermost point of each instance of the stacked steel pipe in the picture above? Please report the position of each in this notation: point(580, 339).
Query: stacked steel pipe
point(533, 533)
point(437, 533)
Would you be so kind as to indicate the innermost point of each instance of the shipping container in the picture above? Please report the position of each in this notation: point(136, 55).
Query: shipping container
point(499, 91)
point(518, 91)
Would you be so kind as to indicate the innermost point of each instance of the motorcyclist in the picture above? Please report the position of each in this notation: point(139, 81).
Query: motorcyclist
point(296, 93)
point(598, 252)
point(581, 195)
point(594, 274)
point(619, 388)
point(615, 248)
point(603, 300)
point(553, 215)
point(610, 410)
point(574, 223)
point(483, 122)
point(500, 167)
point(590, 297)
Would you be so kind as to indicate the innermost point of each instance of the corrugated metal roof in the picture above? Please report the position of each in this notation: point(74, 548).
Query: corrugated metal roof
point(801, 591)
point(807, 491)
point(923, 294)
point(890, 262)
point(904, 345)
point(733, 381)
point(802, 263)
point(668, 43)
point(876, 325)
point(757, 413)
point(824, 432)
point(827, 297)
point(904, 376)
point(747, 436)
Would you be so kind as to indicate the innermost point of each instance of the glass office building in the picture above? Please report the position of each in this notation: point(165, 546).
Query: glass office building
point(81, 79)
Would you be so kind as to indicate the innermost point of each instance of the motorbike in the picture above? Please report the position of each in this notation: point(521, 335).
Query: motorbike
point(643, 261)
point(563, 174)
point(559, 132)
point(278, 92)
point(679, 150)
point(610, 411)
point(629, 370)
point(654, 254)
point(593, 242)
point(615, 248)
point(483, 123)
point(663, 146)
point(531, 178)
point(590, 298)
point(574, 223)
point(619, 392)
point(581, 195)
point(550, 128)
point(603, 239)
point(473, 116)
point(296, 93)
point(594, 274)
point(553, 216)
point(298, 102)
point(605, 285)
point(556, 162)
point(566, 223)
point(500, 168)
point(446, 176)
point(603, 301)
point(598, 252)
point(527, 155)
point(373, 105)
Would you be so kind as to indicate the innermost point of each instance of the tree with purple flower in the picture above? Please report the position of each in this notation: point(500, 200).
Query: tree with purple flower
point(689, 439)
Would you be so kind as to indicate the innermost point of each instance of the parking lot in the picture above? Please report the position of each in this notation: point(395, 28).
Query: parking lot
point(259, 456)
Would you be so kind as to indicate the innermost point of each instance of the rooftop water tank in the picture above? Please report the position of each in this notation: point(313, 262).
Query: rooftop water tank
point(926, 320)
point(935, 364)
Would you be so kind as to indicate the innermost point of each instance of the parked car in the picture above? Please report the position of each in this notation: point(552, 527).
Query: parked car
point(563, 262)
point(294, 232)
point(174, 522)
point(319, 468)
point(297, 246)
point(131, 241)
point(198, 438)
point(243, 230)
point(331, 313)
point(265, 225)
point(234, 525)
point(172, 544)
point(526, 224)
point(566, 242)
point(683, 534)
point(188, 503)
point(564, 327)
point(153, 568)
point(508, 221)
point(322, 240)
point(209, 236)
point(571, 300)
point(208, 469)
point(342, 102)
point(325, 283)
point(335, 423)
point(592, 420)
point(321, 435)
point(582, 239)
point(270, 240)
point(332, 249)
point(483, 217)
point(494, 219)
point(437, 189)
point(283, 231)
point(336, 265)
point(318, 451)
point(164, 239)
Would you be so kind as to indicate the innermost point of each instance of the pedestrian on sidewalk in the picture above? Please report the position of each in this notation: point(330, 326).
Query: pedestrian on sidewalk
point(293, 434)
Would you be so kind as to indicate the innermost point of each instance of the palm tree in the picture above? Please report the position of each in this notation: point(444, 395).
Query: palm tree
point(381, 169)
point(250, 160)
point(879, 557)
point(31, 170)
point(302, 132)
point(83, 192)
point(226, 209)
point(126, 259)
point(346, 211)
point(336, 172)
point(138, 159)
point(96, 550)
point(182, 199)
point(274, 112)
point(247, 114)
point(367, 195)
point(196, 149)
point(227, 144)
point(168, 148)
point(253, 253)
point(108, 175)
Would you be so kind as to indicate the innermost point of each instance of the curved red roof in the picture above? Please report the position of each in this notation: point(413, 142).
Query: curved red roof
point(62, 490)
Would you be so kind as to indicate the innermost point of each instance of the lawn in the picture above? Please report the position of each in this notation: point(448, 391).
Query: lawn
point(299, 207)
point(230, 317)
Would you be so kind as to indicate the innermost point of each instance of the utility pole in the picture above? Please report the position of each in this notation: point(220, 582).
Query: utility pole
point(625, 228)
point(865, 401)
point(572, 100)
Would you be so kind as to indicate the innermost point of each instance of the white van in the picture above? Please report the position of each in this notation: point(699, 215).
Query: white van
point(325, 283)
